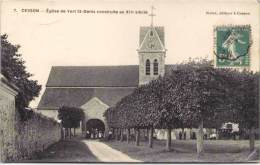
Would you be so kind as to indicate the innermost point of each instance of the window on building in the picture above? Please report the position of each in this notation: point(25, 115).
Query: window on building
point(147, 67)
point(155, 67)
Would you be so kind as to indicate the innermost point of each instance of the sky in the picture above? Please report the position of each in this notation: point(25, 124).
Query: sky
point(81, 39)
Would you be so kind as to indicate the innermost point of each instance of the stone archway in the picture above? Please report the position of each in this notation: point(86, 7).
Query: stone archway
point(94, 109)
point(95, 128)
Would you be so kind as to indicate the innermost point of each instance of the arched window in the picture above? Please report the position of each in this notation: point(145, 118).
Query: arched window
point(155, 67)
point(147, 67)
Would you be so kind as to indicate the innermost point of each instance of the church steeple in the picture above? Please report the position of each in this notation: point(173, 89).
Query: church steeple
point(152, 15)
point(151, 52)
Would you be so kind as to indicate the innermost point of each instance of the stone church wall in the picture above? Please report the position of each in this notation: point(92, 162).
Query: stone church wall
point(19, 139)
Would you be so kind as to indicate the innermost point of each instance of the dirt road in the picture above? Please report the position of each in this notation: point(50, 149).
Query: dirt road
point(81, 150)
point(107, 154)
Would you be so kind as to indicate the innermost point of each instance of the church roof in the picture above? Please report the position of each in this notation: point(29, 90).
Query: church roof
point(76, 85)
point(53, 98)
point(94, 76)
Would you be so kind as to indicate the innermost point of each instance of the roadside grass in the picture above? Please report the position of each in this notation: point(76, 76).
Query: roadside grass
point(225, 151)
point(73, 150)
point(185, 151)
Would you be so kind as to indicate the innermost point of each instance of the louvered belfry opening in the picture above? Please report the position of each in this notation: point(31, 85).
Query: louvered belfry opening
point(155, 67)
point(147, 67)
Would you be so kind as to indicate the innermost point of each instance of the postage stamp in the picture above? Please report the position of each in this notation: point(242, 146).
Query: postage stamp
point(232, 46)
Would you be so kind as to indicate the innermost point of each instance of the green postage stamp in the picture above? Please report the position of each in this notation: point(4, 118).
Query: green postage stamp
point(232, 46)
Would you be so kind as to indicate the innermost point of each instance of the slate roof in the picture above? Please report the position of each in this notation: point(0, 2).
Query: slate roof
point(94, 76)
point(53, 98)
point(76, 85)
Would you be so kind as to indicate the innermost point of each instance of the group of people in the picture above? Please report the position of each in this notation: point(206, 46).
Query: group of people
point(182, 136)
point(94, 134)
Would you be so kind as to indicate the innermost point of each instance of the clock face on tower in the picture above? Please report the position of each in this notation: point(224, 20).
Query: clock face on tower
point(151, 44)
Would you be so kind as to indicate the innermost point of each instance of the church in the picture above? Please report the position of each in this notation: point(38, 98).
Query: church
point(96, 88)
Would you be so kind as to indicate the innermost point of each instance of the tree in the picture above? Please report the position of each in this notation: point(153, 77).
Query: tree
point(200, 96)
point(194, 95)
point(14, 69)
point(70, 117)
point(246, 103)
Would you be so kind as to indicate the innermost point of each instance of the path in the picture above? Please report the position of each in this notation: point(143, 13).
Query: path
point(107, 154)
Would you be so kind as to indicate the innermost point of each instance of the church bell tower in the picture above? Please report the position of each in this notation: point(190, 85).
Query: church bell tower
point(151, 52)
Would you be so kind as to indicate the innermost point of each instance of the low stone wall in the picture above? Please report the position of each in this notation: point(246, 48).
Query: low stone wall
point(19, 139)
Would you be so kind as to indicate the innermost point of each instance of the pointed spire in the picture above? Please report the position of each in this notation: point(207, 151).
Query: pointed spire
point(152, 15)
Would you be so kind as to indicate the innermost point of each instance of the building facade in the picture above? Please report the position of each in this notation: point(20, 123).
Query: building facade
point(96, 88)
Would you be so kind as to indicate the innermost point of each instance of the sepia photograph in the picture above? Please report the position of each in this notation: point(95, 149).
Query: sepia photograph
point(130, 81)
